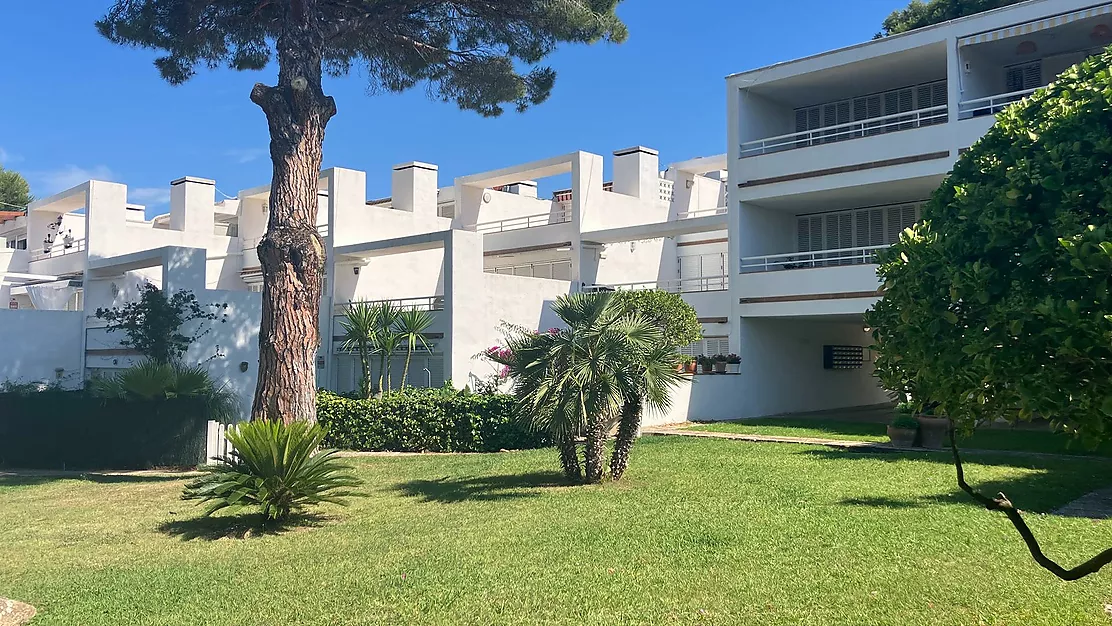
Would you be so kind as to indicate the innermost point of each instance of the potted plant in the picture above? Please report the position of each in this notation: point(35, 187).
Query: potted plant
point(719, 363)
point(688, 364)
point(706, 364)
point(902, 430)
point(733, 364)
point(932, 428)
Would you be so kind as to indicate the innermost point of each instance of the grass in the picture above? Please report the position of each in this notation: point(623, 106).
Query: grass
point(703, 532)
point(985, 439)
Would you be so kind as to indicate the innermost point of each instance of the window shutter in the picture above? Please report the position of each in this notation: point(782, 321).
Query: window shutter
point(690, 266)
point(893, 229)
point(1032, 75)
point(800, 120)
point(907, 214)
point(891, 103)
point(693, 349)
point(830, 118)
point(803, 233)
point(816, 234)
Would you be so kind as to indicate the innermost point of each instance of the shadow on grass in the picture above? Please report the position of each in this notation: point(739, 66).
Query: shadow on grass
point(488, 488)
point(1046, 485)
point(21, 479)
point(237, 526)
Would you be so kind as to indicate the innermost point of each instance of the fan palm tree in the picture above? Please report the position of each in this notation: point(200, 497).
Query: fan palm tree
point(657, 376)
point(411, 326)
point(575, 381)
point(360, 326)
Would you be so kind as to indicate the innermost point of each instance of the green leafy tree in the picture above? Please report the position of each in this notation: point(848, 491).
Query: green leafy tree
point(411, 327)
point(574, 381)
point(481, 55)
point(999, 305)
point(679, 326)
point(153, 324)
point(919, 14)
point(15, 193)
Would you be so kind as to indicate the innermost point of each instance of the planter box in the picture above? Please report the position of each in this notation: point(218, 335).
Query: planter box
point(932, 431)
point(902, 437)
point(733, 368)
point(720, 367)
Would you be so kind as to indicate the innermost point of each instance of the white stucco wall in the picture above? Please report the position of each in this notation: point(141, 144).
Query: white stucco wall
point(782, 372)
point(37, 343)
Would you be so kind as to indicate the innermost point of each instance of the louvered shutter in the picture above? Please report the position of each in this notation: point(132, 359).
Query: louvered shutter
point(800, 120)
point(803, 234)
point(1032, 75)
point(892, 228)
point(690, 267)
point(830, 118)
point(1013, 79)
point(694, 349)
point(907, 215)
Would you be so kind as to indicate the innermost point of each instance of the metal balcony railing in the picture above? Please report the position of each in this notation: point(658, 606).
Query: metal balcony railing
point(990, 105)
point(677, 285)
point(844, 132)
point(808, 260)
point(702, 213)
point(60, 248)
point(421, 303)
point(527, 221)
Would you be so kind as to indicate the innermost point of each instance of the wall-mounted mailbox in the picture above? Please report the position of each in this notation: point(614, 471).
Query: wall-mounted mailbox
point(842, 357)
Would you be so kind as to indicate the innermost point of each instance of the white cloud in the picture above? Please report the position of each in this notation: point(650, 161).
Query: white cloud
point(246, 155)
point(7, 158)
point(149, 196)
point(52, 181)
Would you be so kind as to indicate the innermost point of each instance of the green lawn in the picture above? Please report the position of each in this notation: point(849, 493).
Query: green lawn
point(986, 439)
point(704, 532)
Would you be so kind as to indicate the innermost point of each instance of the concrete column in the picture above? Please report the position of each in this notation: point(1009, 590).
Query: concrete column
point(192, 203)
point(637, 173)
point(464, 305)
point(184, 269)
point(586, 189)
point(413, 187)
point(955, 92)
point(105, 220)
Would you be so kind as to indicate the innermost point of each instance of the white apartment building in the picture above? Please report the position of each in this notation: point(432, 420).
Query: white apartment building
point(831, 157)
point(481, 252)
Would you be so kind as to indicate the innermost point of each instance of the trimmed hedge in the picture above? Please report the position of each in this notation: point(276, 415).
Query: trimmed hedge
point(425, 420)
point(73, 430)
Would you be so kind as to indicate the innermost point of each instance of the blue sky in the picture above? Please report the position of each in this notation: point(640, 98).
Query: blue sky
point(76, 106)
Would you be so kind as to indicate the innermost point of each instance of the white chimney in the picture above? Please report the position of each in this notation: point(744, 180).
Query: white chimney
point(414, 187)
point(192, 204)
point(637, 172)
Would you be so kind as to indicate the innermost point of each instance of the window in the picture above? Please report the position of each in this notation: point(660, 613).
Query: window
point(708, 346)
point(1023, 77)
point(894, 102)
point(857, 228)
point(255, 287)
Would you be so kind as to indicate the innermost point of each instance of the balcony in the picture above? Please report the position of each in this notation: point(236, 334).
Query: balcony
point(561, 216)
point(809, 260)
point(847, 131)
point(991, 105)
point(677, 285)
point(60, 248)
point(420, 303)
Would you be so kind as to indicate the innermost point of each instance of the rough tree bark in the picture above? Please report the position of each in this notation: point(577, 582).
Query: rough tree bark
point(1001, 503)
point(594, 451)
point(627, 435)
point(292, 253)
point(569, 458)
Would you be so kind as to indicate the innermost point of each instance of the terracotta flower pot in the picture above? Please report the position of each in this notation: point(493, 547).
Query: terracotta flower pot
point(689, 368)
point(902, 437)
point(932, 431)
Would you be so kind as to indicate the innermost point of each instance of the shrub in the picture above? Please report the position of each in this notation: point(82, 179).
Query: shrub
point(55, 429)
point(277, 467)
point(905, 422)
point(424, 420)
point(151, 380)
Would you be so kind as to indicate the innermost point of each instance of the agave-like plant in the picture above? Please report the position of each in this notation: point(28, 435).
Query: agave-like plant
point(360, 325)
point(277, 467)
point(151, 380)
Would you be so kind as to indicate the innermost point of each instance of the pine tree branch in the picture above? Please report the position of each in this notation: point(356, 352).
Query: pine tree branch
point(1001, 503)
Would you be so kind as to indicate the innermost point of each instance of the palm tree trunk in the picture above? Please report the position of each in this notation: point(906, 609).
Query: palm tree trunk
point(381, 369)
point(628, 427)
point(292, 253)
point(365, 366)
point(594, 451)
point(569, 458)
point(405, 371)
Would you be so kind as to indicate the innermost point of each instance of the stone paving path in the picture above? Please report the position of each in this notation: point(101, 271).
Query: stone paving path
point(1096, 505)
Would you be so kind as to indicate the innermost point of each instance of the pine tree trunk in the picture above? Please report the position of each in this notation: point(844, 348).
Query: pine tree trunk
point(569, 458)
point(627, 435)
point(594, 451)
point(292, 253)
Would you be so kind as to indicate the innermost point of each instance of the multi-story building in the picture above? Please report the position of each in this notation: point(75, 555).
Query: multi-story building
point(482, 252)
point(832, 156)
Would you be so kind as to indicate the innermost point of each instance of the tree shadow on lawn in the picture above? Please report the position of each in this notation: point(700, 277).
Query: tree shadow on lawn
point(482, 488)
point(1049, 484)
point(24, 479)
point(237, 526)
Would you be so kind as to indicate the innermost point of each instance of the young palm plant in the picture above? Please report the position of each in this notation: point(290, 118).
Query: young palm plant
point(411, 326)
point(385, 340)
point(574, 382)
point(277, 467)
point(360, 326)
